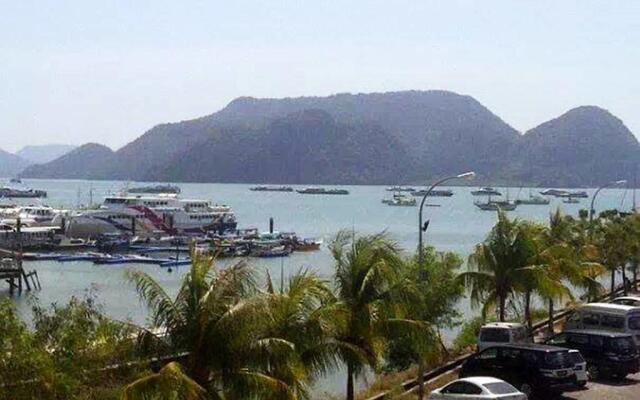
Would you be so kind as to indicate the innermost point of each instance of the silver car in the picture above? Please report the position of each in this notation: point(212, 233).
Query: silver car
point(580, 367)
point(477, 388)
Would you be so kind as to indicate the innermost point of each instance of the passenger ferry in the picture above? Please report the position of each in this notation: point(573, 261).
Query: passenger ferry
point(146, 215)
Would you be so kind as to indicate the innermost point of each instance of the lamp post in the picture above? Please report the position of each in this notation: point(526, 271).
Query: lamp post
point(593, 199)
point(421, 228)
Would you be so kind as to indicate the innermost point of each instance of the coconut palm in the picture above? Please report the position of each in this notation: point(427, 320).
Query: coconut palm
point(219, 320)
point(611, 239)
point(366, 278)
point(169, 383)
point(498, 266)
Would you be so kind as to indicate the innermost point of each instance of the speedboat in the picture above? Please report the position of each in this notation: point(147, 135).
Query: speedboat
point(486, 191)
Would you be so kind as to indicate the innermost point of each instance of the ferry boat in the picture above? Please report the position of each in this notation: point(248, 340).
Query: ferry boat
point(157, 189)
point(400, 189)
point(313, 190)
point(486, 191)
point(554, 192)
point(30, 215)
point(151, 215)
point(433, 193)
point(271, 189)
point(8, 192)
point(493, 205)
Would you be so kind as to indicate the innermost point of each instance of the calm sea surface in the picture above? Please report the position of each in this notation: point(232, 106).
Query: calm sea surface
point(456, 225)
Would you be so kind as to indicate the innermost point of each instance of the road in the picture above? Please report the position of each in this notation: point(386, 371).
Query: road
point(628, 389)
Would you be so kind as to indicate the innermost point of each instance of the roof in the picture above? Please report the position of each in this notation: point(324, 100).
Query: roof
point(531, 346)
point(481, 380)
point(503, 325)
point(595, 332)
point(637, 297)
point(609, 306)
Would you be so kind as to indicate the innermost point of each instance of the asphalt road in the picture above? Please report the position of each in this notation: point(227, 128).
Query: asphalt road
point(628, 389)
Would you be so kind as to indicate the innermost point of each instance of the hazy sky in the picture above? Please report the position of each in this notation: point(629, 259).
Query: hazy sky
point(107, 71)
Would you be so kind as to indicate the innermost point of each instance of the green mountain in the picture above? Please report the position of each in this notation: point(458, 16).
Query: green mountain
point(397, 137)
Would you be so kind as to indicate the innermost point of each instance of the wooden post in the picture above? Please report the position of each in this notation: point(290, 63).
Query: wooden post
point(20, 268)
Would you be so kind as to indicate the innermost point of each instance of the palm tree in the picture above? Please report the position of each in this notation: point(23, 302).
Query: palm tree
point(305, 314)
point(366, 276)
point(498, 266)
point(219, 319)
point(169, 383)
point(611, 239)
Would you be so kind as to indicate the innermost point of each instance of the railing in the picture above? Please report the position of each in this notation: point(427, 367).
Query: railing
point(411, 385)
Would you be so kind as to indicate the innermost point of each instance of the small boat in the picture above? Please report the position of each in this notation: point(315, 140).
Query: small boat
point(496, 205)
point(400, 189)
point(41, 256)
point(307, 245)
point(570, 200)
point(21, 193)
point(271, 189)
point(400, 200)
point(158, 189)
point(312, 190)
point(486, 191)
point(533, 200)
point(176, 263)
point(15, 180)
point(130, 259)
point(554, 192)
point(280, 251)
point(88, 256)
point(433, 193)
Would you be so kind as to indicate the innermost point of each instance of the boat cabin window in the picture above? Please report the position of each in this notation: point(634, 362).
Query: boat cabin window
point(113, 200)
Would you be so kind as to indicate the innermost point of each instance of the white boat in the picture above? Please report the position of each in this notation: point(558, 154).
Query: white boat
point(151, 215)
point(400, 200)
point(31, 215)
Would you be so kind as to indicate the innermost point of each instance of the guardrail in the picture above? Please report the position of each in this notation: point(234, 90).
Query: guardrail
point(410, 385)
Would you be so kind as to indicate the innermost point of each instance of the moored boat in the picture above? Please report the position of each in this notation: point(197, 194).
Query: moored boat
point(21, 193)
point(486, 191)
point(400, 189)
point(533, 200)
point(400, 200)
point(314, 190)
point(554, 192)
point(157, 189)
point(271, 189)
point(493, 205)
point(433, 193)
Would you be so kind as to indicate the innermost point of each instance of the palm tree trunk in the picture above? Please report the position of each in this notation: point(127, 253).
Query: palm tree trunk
point(613, 281)
point(350, 388)
point(551, 316)
point(635, 276)
point(527, 309)
point(624, 279)
point(503, 300)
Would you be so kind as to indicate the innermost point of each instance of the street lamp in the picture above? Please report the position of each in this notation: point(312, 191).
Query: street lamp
point(421, 227)
point(593, 199)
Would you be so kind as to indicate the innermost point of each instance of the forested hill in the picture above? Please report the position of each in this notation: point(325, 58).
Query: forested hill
point(396, 137)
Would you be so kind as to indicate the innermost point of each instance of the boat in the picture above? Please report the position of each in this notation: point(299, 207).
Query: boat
point(41, 256)
point(493, 205)
point(400, 200)
point(176, 263)
point(486, 191)
point(271, 189)
point(15, 180)
point(150, 215)
point(280, 251)
point(129, 259)
point(307, 245)
point(157, 189)
point(32, 215)
point(570, 200)
point(433, 193)
point(313, 190)
point(88, 256)
point(400, 189)
point(7, 192)
point(580, 195)
point(554, 192)
point(533, 200)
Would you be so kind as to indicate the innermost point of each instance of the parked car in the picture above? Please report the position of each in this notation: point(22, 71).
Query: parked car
point(606, 317)
point(607, 353)
point(627, 301)
point(498, 333)
point(527, 366)
point(579, 366)
point(477, 388)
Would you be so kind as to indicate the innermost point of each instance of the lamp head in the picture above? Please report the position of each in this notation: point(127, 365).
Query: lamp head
point(621, 182)
point(467, 175)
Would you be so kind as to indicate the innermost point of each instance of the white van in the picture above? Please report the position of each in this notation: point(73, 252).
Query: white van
point(607, 317)
point(499, 333)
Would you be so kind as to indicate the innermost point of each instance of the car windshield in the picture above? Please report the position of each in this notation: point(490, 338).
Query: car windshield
point(621, 345)
point(500, 388)
point(494, 335)
point(634, 323)
point(576, 357)
point(557, 359)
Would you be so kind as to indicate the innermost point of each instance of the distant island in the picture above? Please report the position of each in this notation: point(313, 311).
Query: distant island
point(408, 137)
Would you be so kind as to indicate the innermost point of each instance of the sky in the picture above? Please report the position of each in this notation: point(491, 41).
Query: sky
point(107, 71)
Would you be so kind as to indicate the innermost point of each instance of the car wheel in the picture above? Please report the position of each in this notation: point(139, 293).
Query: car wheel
point(526, 389)
point(594, 372)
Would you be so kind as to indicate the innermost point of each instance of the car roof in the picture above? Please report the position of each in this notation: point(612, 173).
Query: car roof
point(531, 346)
point(632, 297)
point(503, 325)
point(481, 380)
point(608, 306)
point(594, 332)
